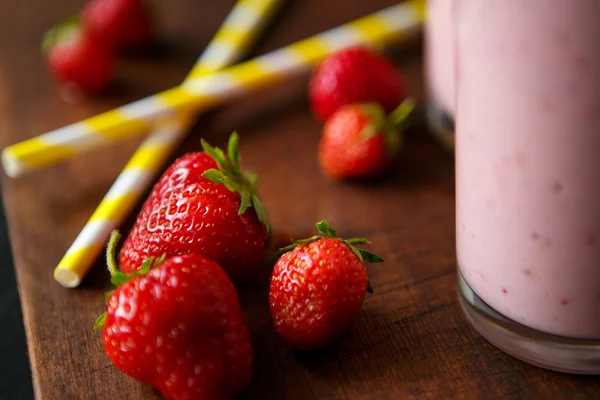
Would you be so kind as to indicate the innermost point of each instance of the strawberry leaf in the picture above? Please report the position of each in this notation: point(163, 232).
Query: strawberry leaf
point(222, 159)
point(213, 175)
point(100, 321)
point(146, 265)
point(299, 242)
point(261, 211)
point(251, 177)
point(358, 241)
point(307, 240)
point(362, 254)
point(217, 155)
point(160, 260)
point(370, 257)
point(323, 227)
point(355, 250)
point(369, 287)
point(217, 176)
point(246, 202)
point(233, 152)
point(119, 278)
point(231, 176)
point(232, 185)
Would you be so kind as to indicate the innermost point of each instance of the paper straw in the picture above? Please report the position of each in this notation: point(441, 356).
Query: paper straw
point(380, 28)
point(234, 37)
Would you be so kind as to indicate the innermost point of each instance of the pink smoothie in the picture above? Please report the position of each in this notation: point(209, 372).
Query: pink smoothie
point(439, 54)
point(528, 160)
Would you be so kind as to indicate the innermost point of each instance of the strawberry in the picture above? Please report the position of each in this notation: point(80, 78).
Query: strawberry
point(119, 23)
point(360, 141)
point(317, 288)
point(203, 204)
point(354, 75)
point(76, 58)
point(176, 324)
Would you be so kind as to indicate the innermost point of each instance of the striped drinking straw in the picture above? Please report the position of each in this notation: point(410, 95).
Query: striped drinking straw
point(237, 33)
point(380, 28)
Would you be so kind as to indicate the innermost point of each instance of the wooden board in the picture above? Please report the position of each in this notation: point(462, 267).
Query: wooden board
point(410, 340)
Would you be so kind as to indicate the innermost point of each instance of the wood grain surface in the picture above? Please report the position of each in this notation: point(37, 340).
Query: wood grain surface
point(410, 340)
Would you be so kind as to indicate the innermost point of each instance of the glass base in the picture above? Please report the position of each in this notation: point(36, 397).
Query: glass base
point(441, 124)
point(527, 344)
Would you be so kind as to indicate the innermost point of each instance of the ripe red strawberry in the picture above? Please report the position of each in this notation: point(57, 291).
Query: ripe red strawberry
point(318, 287)
point(354, 75)
point(76, 58)
point(176, 324)
point(203, 204)
point(119, 23)
point(360, 141)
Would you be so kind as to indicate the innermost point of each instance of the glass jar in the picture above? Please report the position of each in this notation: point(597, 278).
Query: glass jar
point(528, 177)
point(439, 70)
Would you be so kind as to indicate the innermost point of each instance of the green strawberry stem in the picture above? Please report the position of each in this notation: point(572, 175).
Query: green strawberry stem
point(229, 173)
point(391, 126)
point(377, 123)
point(327, 232)
point(396, 124)
point(101, 320)
point(117, 278)
point(111, 252)
point(401, 113)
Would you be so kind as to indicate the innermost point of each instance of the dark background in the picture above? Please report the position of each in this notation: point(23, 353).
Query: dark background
point(15, 375)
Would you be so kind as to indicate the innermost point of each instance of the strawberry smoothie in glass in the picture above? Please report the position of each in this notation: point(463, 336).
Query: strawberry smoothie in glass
point(439, 70)
point(528, 177)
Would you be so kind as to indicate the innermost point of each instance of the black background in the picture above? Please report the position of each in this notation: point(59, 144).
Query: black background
point(15, 374)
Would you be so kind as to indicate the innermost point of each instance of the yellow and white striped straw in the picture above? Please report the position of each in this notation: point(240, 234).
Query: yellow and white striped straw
point(380, 28)
point(237, 33)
